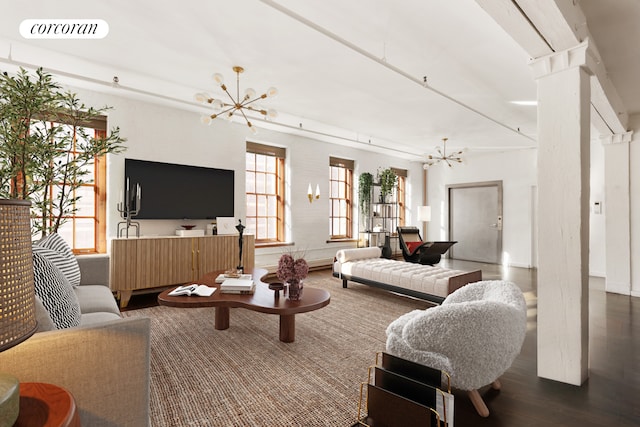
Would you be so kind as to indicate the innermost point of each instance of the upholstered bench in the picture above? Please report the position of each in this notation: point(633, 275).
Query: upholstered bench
point(432, 283)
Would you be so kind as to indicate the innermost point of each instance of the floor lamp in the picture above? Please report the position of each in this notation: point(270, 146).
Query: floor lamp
point(17, 294)
point(424, 215)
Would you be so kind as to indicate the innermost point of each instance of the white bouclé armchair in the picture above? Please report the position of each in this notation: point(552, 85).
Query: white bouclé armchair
point(474, 335)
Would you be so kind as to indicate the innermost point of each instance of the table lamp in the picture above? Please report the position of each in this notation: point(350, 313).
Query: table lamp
point(17, 294)
point(424, 215)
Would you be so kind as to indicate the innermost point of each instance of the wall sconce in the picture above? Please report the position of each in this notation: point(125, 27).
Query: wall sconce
point(310, 194)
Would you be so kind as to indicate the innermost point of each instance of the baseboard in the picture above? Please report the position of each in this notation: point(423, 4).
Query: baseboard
point(618, 288)
point(519, 265)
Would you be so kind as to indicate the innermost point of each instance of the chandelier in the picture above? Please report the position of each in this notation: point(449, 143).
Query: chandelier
point(227, 109)
point(443, 156)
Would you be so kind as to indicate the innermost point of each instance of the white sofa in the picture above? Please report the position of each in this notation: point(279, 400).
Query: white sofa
point(432, 283)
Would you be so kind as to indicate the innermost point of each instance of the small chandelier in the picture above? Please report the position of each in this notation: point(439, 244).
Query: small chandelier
point(443, 156)
point(226, 110)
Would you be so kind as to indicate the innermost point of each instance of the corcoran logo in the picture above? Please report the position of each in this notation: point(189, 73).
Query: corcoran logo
point(64, 28)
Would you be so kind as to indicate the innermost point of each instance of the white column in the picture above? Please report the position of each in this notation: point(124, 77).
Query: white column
point(617, 213)
point(563, 219)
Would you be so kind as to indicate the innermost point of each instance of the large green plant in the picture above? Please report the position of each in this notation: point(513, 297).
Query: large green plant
point(365, 181)
point(37, 157)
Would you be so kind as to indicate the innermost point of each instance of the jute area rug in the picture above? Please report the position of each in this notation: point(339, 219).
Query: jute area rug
point(244, 376)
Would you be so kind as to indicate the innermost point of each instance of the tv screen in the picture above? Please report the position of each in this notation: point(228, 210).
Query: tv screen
point(172, 191)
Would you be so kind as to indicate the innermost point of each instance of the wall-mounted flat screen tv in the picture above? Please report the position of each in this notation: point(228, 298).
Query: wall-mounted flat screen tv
point(172, 191)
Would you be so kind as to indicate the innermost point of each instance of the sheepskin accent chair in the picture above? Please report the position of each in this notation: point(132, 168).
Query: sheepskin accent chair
point(474, 335)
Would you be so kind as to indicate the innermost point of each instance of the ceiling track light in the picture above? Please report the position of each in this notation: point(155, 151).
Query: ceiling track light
point(226, 110)
point(442, 156)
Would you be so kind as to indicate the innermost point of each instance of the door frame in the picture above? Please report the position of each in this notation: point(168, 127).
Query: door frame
point(498, 185)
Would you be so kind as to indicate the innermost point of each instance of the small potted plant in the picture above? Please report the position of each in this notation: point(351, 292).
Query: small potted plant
point(388, 181)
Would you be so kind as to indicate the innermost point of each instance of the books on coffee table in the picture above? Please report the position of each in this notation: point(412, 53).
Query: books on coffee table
point(224, 276)
point(194, 289)
point(238, 286)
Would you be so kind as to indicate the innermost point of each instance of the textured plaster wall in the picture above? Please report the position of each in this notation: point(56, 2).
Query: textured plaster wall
point(175, 135)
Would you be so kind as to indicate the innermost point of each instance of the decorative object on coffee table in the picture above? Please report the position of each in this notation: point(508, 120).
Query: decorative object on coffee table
point(292, 272)
point(276, 287)
point(295, 290)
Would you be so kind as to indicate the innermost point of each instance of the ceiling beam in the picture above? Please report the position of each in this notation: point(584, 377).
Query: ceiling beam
point(560, 22)
point(544, 27)
point(604, 97)
point(516, 23)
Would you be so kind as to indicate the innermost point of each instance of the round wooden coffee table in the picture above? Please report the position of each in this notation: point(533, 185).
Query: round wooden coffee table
point(262, 300)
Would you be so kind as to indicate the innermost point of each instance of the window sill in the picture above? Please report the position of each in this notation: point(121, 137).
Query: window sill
point(86, 252)
point(272, 244)
point(342, 241)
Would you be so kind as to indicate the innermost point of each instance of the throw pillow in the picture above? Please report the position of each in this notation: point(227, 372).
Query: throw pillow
point(412, 246)
point(56, 293)
point(61, 255)
point(45, 323)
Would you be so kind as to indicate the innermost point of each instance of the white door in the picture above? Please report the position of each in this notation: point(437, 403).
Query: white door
point(475, 221)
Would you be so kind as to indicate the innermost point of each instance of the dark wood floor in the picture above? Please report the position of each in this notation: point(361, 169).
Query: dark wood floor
point(611, 395)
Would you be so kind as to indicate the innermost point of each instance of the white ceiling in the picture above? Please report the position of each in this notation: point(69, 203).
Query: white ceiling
point(615, 27)
point(348, 68)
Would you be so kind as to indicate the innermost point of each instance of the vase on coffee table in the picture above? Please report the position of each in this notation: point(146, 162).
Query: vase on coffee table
point(295, 290)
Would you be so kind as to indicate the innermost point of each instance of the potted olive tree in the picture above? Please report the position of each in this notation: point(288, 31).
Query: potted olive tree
point(44, 148)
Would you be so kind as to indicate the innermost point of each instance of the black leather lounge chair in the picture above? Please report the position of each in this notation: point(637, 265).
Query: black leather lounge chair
point(417, 251)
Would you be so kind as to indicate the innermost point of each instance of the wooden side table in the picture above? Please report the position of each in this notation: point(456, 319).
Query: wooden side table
point(46, 405)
